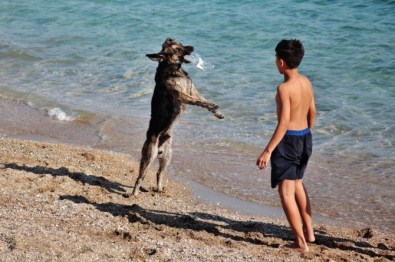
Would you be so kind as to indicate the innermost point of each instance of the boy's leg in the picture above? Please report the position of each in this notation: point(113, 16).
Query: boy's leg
point(303, 202)
point(287, 191)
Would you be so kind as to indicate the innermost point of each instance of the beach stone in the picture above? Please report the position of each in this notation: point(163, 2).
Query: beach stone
point(366, 232)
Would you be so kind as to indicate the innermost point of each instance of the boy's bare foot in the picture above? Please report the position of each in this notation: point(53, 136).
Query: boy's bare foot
point(310, 240)
point(302, 248)
point(299, 248)
point(309, 236)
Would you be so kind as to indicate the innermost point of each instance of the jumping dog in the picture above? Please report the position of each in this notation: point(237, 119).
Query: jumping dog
point(173, 90)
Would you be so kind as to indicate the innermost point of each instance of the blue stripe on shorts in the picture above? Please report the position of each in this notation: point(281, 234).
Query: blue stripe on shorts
point(298, 132)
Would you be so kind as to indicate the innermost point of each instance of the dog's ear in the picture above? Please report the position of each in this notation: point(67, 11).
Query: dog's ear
point(169, 41)
point(156, 57)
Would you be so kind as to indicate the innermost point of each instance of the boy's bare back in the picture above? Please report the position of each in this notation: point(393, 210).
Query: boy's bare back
point(299, 93)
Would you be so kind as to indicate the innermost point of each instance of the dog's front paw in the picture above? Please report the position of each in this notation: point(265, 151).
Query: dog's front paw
point(219, 115)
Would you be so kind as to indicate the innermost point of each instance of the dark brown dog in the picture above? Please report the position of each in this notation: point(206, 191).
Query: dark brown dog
point(173, 90)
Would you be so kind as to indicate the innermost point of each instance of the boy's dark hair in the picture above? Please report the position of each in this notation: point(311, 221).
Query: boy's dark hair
point(291, 51)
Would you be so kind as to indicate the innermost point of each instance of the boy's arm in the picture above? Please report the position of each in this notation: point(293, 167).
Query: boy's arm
point(284, 113)
point(311, 114)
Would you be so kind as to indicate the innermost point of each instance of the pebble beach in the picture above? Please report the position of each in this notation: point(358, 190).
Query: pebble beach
point(62, 202)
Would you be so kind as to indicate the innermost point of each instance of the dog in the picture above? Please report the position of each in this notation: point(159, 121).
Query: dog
point(174, 89)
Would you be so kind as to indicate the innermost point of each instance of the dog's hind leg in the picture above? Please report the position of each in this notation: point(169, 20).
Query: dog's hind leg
point(164, 155)
point(148, 155)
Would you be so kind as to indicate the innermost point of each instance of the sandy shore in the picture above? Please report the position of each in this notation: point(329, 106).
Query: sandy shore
point(66, 203)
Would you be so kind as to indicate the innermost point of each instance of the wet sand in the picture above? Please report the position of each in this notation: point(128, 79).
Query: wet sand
point(66, 203)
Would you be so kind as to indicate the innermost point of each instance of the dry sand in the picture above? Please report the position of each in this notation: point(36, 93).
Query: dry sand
point(66, 203)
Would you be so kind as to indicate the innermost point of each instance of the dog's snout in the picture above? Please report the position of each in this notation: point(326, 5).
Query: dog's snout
point(188, 49)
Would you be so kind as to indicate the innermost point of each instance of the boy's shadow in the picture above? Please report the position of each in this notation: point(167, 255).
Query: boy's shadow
point(194, 221)
point(110, 186)
point(252, 232)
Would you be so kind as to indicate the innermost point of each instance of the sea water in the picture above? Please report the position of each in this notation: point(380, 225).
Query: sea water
point(76, 71)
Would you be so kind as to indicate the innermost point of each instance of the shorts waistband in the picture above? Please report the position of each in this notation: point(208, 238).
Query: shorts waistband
point(298, 132)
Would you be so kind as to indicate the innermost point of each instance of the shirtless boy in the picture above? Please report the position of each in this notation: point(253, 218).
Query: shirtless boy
point(290, 147)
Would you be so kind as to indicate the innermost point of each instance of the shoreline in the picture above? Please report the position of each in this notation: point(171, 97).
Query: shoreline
point(243, 207)
point(65, 203)
point(227, 168)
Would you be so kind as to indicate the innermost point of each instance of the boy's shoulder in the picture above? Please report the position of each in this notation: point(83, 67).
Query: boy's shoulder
point(305, 78)
point(287, 87)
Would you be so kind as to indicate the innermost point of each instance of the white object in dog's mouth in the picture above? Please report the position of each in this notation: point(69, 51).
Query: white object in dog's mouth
point(197, 60)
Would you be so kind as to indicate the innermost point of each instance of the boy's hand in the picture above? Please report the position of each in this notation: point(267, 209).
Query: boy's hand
point(263, 160)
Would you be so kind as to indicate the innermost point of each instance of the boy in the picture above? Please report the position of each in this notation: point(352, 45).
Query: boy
point(290, 147)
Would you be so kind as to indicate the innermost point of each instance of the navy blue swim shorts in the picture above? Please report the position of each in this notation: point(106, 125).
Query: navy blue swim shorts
point(289, 159)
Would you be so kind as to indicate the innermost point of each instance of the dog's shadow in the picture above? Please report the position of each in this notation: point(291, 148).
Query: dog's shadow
point(213, 224)
point(246, 231)
point(110, 186)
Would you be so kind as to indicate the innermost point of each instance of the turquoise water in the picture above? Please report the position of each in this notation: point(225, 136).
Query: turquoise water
point(80, 62)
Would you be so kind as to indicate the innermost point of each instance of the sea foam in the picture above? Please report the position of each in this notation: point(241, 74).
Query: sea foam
point(59, 114)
